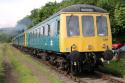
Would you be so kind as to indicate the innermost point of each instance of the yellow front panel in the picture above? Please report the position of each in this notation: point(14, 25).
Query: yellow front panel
point(84, 43)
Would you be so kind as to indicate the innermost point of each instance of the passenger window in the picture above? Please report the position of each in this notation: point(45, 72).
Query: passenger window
point(52, 29)
point(39, 31)
point(49, 30)
point(43, 30)
point(88, 25)
point(36, 33)
point(58, 27)
point(46, 30)
point(72, 25)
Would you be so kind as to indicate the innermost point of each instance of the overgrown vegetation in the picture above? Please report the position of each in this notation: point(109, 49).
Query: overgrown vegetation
point(116, 8)
point(115, 68)
point(19, 62)
point(25, 74)
point(53, 78)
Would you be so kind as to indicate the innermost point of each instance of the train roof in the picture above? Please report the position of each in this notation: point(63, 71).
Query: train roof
point(82, 8)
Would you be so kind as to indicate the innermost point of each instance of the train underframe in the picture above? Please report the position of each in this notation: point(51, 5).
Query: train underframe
point(74, 62)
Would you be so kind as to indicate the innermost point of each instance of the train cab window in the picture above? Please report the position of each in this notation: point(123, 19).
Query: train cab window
point(88, 25)
point(102, 28)
point(72, 25)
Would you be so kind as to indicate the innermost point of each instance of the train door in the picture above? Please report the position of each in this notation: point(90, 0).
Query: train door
point(96, 32)
point(104, 40)
point(57, 35)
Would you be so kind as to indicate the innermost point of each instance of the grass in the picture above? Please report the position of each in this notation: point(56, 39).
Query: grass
point(2, 78)
point(116, 68)
point(52, 77)
point(25, 74)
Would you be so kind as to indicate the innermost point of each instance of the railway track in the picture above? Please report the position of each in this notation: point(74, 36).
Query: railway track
point(96, 77)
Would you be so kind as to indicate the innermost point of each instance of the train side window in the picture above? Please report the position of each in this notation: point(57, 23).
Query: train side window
point(39, 31)
point(49, 30)
point(33, 35)
point(36, 33)
point(72, 25)
point(46, 30)
point(58, 27)
point(43, 30)
point(52, 29)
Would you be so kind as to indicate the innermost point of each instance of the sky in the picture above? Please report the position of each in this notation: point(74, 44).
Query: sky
point(12, 11)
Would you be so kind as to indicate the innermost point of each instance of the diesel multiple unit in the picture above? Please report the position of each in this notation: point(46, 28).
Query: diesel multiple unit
point(78, 35)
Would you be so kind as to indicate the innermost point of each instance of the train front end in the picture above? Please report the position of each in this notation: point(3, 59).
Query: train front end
point(85, 32)
point(86, 35)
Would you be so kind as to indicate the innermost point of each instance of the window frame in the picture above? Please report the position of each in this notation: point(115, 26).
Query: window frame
point(67, 25)
point(91, 28)
point(106, 27)
point(49, 29)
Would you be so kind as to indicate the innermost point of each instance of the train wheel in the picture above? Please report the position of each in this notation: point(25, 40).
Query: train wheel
point(74, 68)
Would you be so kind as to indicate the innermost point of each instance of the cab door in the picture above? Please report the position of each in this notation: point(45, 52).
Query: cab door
point(104, 39)
point(96, 33)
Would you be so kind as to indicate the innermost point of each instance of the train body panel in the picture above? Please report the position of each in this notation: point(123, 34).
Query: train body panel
point(45, 36)
point(83, 40)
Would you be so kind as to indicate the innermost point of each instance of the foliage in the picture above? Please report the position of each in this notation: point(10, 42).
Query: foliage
point(4, 38)
point(116, 9)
